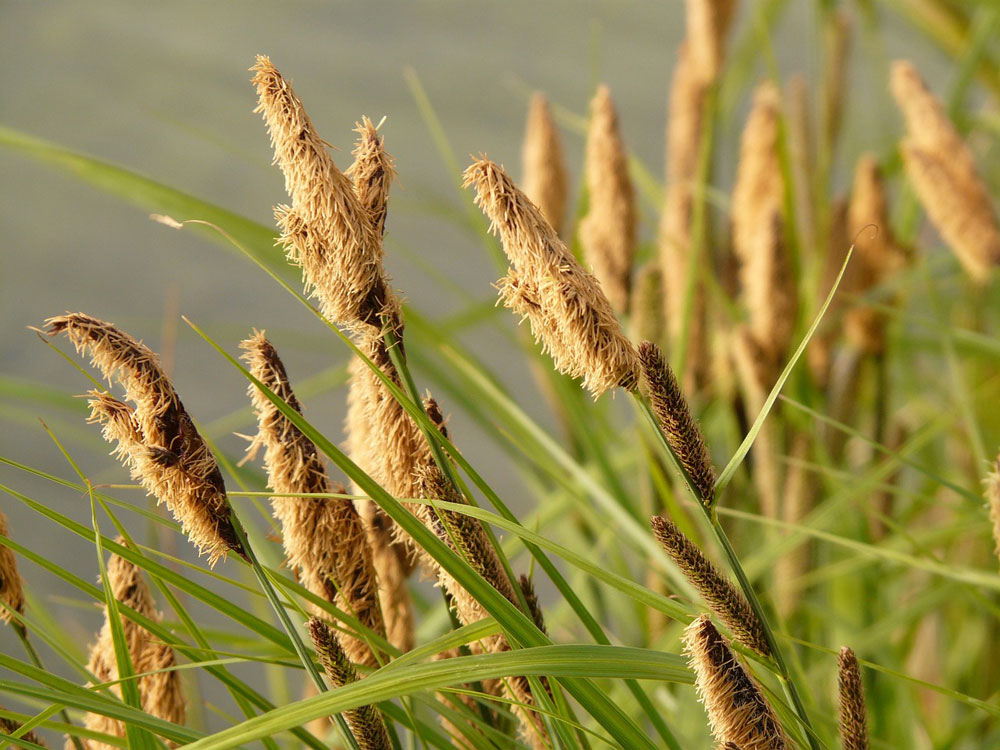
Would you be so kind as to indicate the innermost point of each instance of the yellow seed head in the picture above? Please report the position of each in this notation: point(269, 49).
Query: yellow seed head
point(608, 231)
point(568, 312)
point(546, 178)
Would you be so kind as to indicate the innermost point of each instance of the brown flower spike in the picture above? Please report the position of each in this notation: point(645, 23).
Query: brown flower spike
point(853, 717)
point(679, 426)
point(944, 175)
point(156, 439)
point(568, 312)
point(324, 538)
point(546, 179)
point(11, 585)
point(365, 722)
point(161, 693)
point(717, 590)
point(608, 231)
point(737, 710)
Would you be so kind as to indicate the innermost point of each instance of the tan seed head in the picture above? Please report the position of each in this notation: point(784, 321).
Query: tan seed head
point(546, 179)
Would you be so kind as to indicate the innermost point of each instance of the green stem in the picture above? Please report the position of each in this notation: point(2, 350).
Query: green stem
point(29, 649)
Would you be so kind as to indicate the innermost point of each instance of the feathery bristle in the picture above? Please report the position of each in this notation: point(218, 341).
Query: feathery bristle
point(853, 717)
point(674, 416)
point(876, 254)
point(156, 440)
point(327, 230)
point(8, 727)
point(371, 173)
point(707, 22)
point(365, 722)
point(737, 710)
point(161, 694)
point(608, 231)
point(718, 591)
point(648, 320)
point(11, 584)
point(324, 538)
point(545, 176)
point(758, 196)
point(568, 312)
point(992, 484)
point(941, 168)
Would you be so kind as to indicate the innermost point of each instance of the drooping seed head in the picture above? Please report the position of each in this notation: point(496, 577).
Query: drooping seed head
point(718, 591)
point(11, 584)
point(853, 716)
point(568, 312)
point(324, 538)
point(943, 173)
point(546, 178)
point(156, 439)
point(737, 710)
point(608, 231)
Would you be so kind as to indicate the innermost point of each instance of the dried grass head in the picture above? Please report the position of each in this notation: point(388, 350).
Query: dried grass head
point(157, 439)
point(546, 179)
point(568, 312)
point(11, 584)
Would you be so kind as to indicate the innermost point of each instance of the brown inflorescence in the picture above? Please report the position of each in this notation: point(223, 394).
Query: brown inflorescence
point(608, 231)
point(324, 538)
point(156, 439)
point(943, 172)
point(365, 722)
point(545, 175)
point(678, 425)
point(568, 312)
point(853, 717)
point(161, 693)
point(8, 727)
point(718, 591)
point(737, 710)
point(11, 584)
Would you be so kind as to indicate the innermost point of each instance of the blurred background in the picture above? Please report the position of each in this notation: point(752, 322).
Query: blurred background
point(163, 89)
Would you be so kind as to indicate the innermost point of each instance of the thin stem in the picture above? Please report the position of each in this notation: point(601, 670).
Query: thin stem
point(29, 649)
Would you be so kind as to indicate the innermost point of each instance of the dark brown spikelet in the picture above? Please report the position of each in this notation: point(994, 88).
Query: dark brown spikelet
point(531, 599)
point(324, 538)
point(372, 173)
point(156, 439)
point(738, 712)
point(161, 694)
point(718, 591)
point(853, 717)
point(9, 726)
point(11, 585)
point(680, 428)
point(569, 313)
point(365, 722)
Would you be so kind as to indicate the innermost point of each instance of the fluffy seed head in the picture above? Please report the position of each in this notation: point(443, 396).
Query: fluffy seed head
point(717, 590)
point(11, 585)
point(707, 24)
point(161, 694)
point(737, 709)
point(372, 173)
point(680, 428)
point(156, 440)
point(327, 230)
point(853, 717)
point(568, 312)
point(365, 722)
point(608, 231)
point(546, 178)
point(324, 538)
point(941, 168)
point(758, 196)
